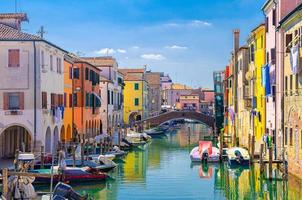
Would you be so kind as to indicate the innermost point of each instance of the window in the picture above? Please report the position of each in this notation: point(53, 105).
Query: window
point(13, 58)
point(290, 84)
point(112, 97)
point(59, 67)
point(273, 56)
point(108, 96)
point(136, 86)
point(266, 24)
point(53, 100)
point(51, 62)
point(291, 137)
point(252, 53)
point(286, 85)
point(65, 100)
point(274, 18)
point(297, 83)
point(75, 100)
point(13, 101)
point(44, 100)
point(86, 73)
point(70, 73)
point(285, 136)
point(76, 73)
point(136, 101)
point(42, 60)
point(70, 100)
point(87, 100)
point(288, 40)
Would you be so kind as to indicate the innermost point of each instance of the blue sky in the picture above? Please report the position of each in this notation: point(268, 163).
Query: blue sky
point(188, 39)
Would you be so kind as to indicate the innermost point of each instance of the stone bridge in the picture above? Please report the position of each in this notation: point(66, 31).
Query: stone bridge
point(157, 120)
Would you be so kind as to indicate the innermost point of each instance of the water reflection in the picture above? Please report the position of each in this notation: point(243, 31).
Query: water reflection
point(163, 170)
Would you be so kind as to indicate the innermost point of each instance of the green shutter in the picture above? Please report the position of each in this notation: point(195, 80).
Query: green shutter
point(136, 101)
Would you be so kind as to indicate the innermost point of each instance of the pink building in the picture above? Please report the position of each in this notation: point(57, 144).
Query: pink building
point(189, 102)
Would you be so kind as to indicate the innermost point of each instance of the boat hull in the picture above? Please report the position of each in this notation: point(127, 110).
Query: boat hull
point(236, 163)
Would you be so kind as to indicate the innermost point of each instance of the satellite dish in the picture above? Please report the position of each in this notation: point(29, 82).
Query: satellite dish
point(249, 75)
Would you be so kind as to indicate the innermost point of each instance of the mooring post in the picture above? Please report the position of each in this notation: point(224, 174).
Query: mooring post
point(73, 155)
point(42, 157)
point(261, 159)
point(221, 145)
point(249, 144)
point(82, 152)
point(270, 166)
point(253, 148)
point(119, 136)
point(5, 183)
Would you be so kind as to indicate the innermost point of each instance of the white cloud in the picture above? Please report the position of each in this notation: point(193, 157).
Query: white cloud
point(121, 50)
point(191, 23)
point(135, 47)
point(176, 47)
point(105, 51)
point(199, 23)
point(153, 57)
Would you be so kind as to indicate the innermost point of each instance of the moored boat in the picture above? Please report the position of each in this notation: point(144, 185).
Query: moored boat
point(205, 152)
point(238, 157)
point(153, 132)
point(71, 174)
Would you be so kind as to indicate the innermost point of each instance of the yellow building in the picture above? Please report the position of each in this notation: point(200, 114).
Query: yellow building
point(256, 43)
point(291, 27)
point(66, 130)
point(135, 95)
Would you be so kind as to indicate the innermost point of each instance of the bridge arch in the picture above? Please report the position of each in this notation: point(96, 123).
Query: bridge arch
point(173, 115)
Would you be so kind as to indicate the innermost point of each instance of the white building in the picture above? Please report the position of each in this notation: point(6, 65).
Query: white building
point(31, 87)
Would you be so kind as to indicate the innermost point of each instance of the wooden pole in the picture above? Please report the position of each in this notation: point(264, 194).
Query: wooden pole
point(17, 159)
point(221, 145)
point(261, 159)
point(73, 155)
point(82, 153)
point(270, 165)
point(5, 183)
point(253, 148)
point(249, 144)
point(42, 157)
point(119, 137)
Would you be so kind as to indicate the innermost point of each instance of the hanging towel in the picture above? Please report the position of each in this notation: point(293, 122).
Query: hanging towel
point(267, 80)
point(294, 59)
point(263, 76)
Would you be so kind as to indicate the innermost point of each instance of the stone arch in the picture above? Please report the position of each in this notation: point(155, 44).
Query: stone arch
point(62, 134)
point(55, 139)
point(68, 133)
point(48, 140)
point(14, 137)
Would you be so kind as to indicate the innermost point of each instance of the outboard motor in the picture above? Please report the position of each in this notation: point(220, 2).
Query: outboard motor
point(205, 157)
point(239, 157)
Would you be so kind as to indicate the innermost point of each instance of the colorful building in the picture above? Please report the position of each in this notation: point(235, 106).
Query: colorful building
point(31, 89)
point(135, 95)
point(256, 43)
point(155, 100)
point(189, 102)
point(292, 36)
point(87, 99)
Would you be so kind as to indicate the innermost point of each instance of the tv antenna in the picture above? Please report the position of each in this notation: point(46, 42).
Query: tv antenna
point(41, 32)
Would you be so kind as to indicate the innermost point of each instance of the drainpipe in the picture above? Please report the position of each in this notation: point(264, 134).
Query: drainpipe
point(275, 136)
point(35, 94)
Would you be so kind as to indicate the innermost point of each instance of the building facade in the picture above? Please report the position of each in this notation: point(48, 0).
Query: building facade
point(155, 99)
point(135, 95)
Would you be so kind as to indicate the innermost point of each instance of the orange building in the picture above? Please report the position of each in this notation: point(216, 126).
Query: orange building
point(87, 101)
point(66, 130)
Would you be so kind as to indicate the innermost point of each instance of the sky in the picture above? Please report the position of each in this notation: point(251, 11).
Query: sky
point(187, 39)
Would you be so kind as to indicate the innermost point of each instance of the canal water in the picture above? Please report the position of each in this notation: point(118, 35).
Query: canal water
point(163, 170)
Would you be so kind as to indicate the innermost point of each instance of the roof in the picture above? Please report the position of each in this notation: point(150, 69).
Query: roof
point(107, 61)
point(9, 33)
point(266, 4)
point(133, 74)
point(261, 25)
point(21, 16)
point(177, 86)
point(298, 8)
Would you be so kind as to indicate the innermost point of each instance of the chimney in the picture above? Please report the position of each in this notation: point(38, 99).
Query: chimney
point(236, 35)
point(13, 20)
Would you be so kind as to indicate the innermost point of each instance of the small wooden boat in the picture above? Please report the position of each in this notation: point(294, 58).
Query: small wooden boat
point(153, 132)
point(116, 152)
point(238, 157)
point(138, 139)
point(205, 152)
point(71, 174)
point(64, 191)
point(104, 166)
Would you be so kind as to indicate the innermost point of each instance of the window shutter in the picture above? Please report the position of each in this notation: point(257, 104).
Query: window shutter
point(273, 55)
point(5, 101)
point(65, 100)
point(21, 99)
point(13, 58)
point(288, 40)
